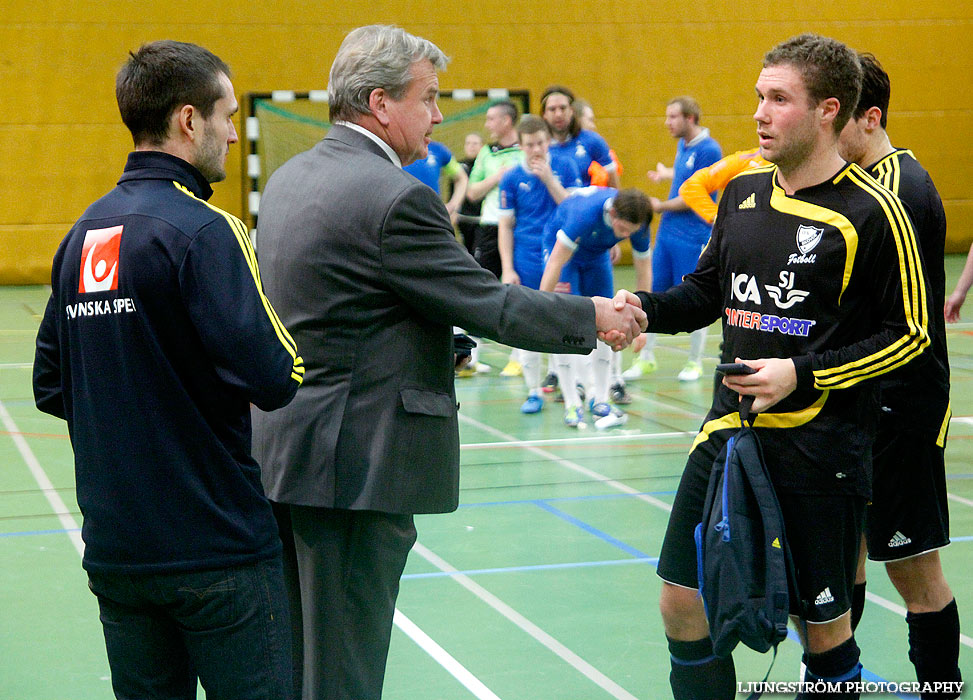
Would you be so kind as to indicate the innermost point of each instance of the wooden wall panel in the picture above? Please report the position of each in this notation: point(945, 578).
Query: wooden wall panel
point(62, 144)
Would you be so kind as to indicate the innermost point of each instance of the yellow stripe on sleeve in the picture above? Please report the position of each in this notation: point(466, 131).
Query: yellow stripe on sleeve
point(914, 296)
point(243, 240)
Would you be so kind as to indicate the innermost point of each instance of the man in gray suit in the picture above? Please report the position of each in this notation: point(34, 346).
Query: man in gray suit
point(361, 263)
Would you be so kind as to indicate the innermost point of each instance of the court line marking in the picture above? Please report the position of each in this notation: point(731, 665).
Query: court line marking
point(959, 499)
point(533, 567)
point(40, 476)
point(71, 529)
point(443, 657)
point(579, 664)
point(573, 466)
point(618, 437)
point(887, 604)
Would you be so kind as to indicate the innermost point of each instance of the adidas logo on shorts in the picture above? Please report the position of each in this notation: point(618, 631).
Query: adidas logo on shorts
point(898, 540)
point(824, 597)
point(750, 202)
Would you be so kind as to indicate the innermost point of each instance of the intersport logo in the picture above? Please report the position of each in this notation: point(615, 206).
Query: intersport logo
point(99, 260)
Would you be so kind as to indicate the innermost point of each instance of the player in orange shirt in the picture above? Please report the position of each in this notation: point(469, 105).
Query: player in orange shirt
point(696, 190)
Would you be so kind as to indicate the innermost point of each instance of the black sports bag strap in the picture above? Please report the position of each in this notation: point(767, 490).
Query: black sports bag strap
point(746, 405)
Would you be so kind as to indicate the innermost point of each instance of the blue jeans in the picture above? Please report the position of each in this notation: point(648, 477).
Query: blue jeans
point(228, 628)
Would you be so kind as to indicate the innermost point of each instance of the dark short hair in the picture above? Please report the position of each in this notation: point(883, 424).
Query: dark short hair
point(507, 107)
point(876, 88)
point(633, 206)
point(688, 106)
point(828, 69)
point(531, 124)
point(575, 126)
point(160, 78)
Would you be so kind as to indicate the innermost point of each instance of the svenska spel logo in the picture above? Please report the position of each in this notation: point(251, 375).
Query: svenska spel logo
point(99, 260)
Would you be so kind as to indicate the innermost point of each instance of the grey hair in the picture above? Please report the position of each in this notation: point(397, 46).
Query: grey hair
point(372, 57)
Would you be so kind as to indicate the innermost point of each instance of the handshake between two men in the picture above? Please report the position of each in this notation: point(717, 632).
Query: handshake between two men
point(619, 320)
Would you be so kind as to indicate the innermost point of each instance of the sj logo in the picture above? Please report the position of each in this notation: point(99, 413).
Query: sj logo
point(99, 260)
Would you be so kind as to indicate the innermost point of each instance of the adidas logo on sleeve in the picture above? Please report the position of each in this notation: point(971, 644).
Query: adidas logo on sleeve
point(750, 202)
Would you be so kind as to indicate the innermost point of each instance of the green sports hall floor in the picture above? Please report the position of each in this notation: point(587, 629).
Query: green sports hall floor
point(541, 586)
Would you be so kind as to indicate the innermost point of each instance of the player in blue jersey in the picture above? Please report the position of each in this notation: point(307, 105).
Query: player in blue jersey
point(439, 162)
point(589, 150)
point(577, 241)
point(529, 194)
point(570, 139)
point(682, 233)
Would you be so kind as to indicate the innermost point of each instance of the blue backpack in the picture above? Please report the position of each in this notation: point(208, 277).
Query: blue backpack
point(745, 568)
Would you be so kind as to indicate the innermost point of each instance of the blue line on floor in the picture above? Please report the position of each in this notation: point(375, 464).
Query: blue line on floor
point(604, 536)
point(39, 532)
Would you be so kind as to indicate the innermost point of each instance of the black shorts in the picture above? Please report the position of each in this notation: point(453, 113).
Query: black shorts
point(909, 513)
point(823, 531)
point(487, 253)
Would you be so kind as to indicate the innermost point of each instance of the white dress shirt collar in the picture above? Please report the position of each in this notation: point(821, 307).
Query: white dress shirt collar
point(384, 146)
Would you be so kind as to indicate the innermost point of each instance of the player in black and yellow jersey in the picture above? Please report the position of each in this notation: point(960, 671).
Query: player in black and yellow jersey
point(814, 269)
point(907, 521)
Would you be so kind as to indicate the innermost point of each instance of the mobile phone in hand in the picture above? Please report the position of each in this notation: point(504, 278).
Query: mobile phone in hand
point(734, 368)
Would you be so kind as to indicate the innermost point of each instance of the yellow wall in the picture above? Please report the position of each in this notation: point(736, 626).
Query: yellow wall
point(62, 144)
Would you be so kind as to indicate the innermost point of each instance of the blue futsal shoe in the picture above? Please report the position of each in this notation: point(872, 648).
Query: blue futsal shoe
point(533, 404)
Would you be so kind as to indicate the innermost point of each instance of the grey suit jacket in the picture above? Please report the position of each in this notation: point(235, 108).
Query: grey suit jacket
point(360, 261)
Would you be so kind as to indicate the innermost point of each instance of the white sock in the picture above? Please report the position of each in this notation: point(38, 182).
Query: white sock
point(697, 341)
point(601, 371)
point(616, 369)
point(648, 352)
point(567, 379)
point(531, 362)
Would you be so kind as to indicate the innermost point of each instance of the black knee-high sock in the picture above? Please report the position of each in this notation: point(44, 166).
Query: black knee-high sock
point(838, 665)
point(698, 674)
point(857, 604)
point(934, 647)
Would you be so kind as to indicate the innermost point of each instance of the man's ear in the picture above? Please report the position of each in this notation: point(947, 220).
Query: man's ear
point(873, 118)
point(184, 121)
point(378, 103)
point(829, 109)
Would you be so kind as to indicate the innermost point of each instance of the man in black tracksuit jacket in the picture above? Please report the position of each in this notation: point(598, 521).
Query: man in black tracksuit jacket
point(814, 269)
point(156, 340)
point(907, 520)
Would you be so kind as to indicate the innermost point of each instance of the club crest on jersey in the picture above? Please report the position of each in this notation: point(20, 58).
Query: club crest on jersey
point(99, 260)
point(808, 237)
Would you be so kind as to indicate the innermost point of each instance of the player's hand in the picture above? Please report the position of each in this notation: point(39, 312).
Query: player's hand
point(618, 327)
point(540, 167)
point(615, 254)
point(773, 381)
point(639, 343)
point(623, 297)
point(953, 304)
point(660, 173)
point(510, 277)
point(656, 204)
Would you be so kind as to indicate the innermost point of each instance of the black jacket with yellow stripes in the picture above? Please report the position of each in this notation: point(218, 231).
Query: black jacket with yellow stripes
point(917, 396)
point(156, 340)
point(830, 277)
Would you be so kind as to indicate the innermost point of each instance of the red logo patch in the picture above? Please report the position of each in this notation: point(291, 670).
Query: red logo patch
point(99, 260)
